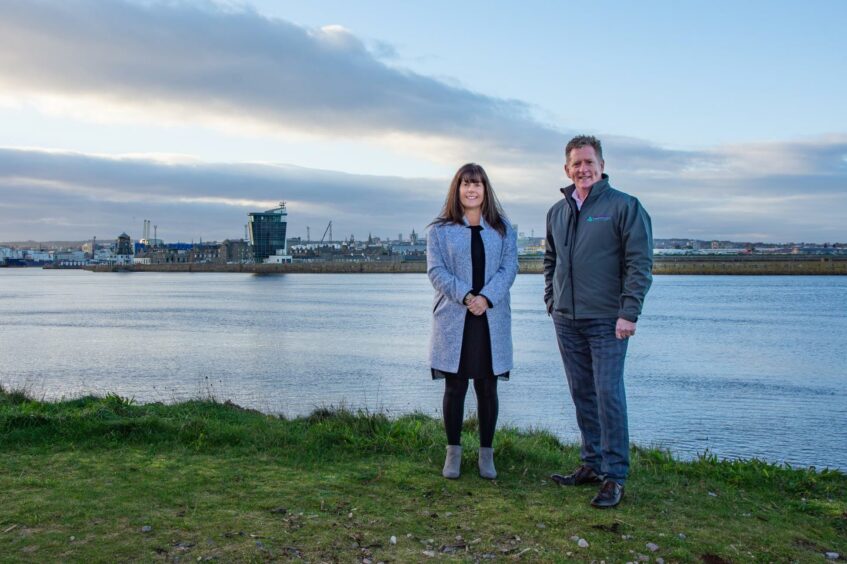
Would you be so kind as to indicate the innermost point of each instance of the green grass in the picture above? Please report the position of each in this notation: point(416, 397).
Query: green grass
point(80, 479)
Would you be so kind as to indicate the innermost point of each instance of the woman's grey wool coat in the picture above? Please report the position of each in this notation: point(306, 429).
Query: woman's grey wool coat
point(449, 266)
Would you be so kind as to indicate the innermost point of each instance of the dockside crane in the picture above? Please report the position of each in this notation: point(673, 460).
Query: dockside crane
point(327, 230)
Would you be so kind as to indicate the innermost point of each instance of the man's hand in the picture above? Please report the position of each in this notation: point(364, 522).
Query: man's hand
point(477, 305)
point(624, 329)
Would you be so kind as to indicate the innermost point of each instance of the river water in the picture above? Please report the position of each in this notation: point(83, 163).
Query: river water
point(739, 366)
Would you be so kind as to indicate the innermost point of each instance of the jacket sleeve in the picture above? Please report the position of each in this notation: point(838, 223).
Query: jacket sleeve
point(549, 265)
point(637, 240)
point(497, 288)
point(441, 277)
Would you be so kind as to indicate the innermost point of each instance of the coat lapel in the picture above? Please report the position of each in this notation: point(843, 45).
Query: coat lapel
point(493, 248)
point(460, 243)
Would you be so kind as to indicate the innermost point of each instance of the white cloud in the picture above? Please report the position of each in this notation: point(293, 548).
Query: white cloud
point(176, 61)
point(194, 199)
point(96, 194)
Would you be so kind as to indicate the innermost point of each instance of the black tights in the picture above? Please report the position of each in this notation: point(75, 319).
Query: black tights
point(455, 390)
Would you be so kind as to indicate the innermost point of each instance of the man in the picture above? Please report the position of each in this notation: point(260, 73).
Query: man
point(597, 270)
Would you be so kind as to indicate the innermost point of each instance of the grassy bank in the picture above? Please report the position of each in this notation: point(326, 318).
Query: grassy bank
point(103, 480)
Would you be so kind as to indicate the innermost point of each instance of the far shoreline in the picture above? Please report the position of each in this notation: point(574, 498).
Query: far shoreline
point(744, 265)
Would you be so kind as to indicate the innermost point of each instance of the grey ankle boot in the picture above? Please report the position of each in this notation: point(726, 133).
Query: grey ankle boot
point(452, 462)
point(486, 463)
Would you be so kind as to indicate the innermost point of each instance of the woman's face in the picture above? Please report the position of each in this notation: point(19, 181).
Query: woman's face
point(471, 194)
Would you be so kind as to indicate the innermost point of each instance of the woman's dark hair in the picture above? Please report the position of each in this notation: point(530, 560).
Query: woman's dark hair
point(452, 211)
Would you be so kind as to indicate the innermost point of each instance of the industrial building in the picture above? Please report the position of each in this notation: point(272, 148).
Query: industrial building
point(267, 233)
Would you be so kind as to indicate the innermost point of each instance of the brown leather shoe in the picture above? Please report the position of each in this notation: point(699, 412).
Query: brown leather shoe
point(610, 494)
point(581, 476)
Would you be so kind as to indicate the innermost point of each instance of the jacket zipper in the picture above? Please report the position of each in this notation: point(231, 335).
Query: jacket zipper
point(575, 224)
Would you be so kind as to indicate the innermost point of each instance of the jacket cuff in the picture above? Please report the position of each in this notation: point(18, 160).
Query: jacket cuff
point(463, 292)
point(628, 317)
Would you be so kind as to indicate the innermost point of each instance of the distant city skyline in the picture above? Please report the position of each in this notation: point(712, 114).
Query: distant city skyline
point(659, 242)
point(726, 120)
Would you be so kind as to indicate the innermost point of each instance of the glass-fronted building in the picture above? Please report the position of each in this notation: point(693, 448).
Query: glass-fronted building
point(267, 232)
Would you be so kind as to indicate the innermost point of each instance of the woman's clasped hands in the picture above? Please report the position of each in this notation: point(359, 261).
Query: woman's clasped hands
point(477, 305)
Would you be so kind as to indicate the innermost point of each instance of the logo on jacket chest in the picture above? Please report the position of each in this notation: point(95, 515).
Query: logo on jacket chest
point(596, 218)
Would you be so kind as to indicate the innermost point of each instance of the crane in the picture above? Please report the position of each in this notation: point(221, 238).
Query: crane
point(327, 230)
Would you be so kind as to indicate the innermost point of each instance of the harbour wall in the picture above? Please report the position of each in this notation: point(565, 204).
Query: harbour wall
point(742, 265)
point(751, 266)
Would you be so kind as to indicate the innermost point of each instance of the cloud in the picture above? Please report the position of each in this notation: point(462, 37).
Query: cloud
point(800, 161)
point(778, 191)
point(83, 195)
point(226, 65)
point(59, 195)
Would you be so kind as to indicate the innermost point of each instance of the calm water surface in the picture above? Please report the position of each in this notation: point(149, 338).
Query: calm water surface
point(741, 366)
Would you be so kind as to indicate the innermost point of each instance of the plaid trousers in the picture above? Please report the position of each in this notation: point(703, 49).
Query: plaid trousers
point(594, 364)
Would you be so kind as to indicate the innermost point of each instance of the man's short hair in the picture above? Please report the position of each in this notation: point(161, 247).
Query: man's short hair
point(584, 141)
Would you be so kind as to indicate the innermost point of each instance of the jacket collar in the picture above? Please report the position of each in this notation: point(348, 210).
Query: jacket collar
point(596, 189)
point(482, 222)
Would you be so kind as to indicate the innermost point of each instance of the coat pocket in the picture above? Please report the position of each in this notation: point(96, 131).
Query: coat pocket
point(438, 303)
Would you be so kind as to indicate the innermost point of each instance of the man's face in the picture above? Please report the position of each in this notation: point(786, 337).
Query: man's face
point(583, 167)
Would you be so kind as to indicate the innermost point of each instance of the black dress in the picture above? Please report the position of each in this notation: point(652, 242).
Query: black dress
point(475, 359)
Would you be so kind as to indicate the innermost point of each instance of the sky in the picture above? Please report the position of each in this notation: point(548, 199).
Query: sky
point(726, 119)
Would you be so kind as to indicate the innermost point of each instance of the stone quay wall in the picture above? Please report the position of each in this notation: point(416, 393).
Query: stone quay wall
point(740, 265)
point(753, 266)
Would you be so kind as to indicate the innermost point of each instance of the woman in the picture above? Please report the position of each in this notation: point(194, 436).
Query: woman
point(472, 261)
